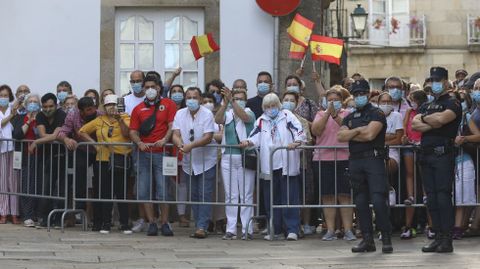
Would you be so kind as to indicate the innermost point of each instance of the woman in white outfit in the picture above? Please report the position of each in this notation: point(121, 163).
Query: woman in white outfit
point(238, 182)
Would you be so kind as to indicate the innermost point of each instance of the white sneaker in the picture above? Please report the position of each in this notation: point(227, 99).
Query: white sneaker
point(307, 230)
point(392, 198)
point(104, 231)
point(275, 237)
point(139, 226)
point(329, 236)
point(292, 237)
point(349, 236)
point(29, 223)
point(264, 232)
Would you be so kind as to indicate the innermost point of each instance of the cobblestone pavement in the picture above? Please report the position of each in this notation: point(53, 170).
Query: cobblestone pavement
point(31, 248)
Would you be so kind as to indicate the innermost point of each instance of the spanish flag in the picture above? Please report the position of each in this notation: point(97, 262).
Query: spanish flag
point(300, 30)
point(203, 45)
point(296, 51)
point(326, 49)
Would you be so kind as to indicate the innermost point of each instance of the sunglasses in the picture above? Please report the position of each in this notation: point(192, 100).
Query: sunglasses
point(192, 133)
point(110, 131)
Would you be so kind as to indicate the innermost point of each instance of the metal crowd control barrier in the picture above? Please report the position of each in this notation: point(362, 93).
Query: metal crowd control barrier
point(458, 182)
point(100, 176)
point(41, 178)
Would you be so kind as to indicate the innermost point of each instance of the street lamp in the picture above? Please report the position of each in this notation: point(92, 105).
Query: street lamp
point(359, 19)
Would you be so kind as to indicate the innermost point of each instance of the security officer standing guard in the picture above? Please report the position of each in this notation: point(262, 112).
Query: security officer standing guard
point(439, 124)
point(365, 130)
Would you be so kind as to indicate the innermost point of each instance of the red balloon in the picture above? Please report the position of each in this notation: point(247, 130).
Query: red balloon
point(278, 7)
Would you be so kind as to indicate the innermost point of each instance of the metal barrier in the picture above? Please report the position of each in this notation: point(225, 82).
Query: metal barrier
point(40, 174)
point(399, 175)
point(106, 179)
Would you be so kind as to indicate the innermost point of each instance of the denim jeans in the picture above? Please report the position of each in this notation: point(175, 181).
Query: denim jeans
point(288, 217)
point(150, 165)
point(201, 190)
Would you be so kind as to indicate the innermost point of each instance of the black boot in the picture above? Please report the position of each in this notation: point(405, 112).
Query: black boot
point(432, 247)
point(387, 243)
point(366, 245)
point(445, 245)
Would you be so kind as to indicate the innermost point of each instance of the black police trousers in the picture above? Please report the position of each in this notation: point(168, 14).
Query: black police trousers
point(438, 173)
point(369, 182)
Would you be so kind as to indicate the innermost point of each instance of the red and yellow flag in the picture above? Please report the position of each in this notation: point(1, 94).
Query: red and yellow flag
point(203, 45)
point(326, 49)
point(296, 51)
point(300, 30)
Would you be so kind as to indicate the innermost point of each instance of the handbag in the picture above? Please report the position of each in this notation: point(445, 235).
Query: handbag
point(250, 159)
point(147, 126)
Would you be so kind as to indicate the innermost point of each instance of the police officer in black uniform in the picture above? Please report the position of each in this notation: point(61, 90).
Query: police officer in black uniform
point(365, 130)
point(439, 124)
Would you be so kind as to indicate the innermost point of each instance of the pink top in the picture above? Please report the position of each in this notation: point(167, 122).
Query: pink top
point(412, 135)
point(329, 138)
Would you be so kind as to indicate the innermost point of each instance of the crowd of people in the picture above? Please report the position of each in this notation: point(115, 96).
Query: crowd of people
point(156, 114)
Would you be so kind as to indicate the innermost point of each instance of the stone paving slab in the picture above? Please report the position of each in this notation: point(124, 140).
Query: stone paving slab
point(31, 248)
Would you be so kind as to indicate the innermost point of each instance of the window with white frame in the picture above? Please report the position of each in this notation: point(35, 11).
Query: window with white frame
point(389, 22)
point(157, 39)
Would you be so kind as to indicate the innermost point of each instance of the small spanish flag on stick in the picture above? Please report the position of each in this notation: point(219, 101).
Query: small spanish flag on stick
point(203, 45)
point(326, 49)
point(300, 30)
point(296, 51)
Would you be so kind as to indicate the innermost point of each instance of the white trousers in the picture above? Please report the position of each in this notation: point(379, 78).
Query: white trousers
point(239, 185)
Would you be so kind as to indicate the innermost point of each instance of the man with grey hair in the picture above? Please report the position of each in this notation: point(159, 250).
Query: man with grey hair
point(395, 87)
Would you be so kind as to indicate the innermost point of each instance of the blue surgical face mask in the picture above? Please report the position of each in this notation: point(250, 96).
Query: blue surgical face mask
point(476, 96)
point(272, 112)
point(430, 99)
point(218, 97)
point(241, 103)
point(33, 107)
point(136, 87)
point(61, 96)
point(437, 87)
point(177, 97)
point(396, 94)
point(361, 101)
point(288, 105)
point(192, 104)
point(263, 88)
point(294, 89)
point(337, 105)
point(4, 102)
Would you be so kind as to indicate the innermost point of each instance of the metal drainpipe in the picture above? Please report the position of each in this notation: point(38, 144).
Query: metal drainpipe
point(276, 52)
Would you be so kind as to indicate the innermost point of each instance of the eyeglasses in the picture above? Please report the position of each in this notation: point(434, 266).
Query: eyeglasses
point(110, 131)
point(192, 133)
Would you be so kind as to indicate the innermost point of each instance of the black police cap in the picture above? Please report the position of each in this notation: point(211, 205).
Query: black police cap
point(438, 73)
point(360, 85)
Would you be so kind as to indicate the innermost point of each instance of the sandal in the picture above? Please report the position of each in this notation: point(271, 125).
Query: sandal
point(3, 219)
point(16, 220)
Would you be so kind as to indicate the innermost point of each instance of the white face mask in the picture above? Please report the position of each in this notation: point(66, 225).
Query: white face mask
point(386, 108)
point(151, 93)
point(209, 106)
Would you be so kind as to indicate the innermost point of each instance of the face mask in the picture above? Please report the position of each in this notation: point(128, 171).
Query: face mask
point(351, 109)
point(263, 88)
point(430, 98)
point(337, 105)
point(386, 109)
point(324, 103)
point(395, 93)
point(22, 111)
point(437, 87)
point(464, 106)
point(89, 118)
point(476, 96)
point(288, 105)
point(241, 103)
point(209, 106)
point(361, 101)
point(4, 102)
point(33, 107)
point(414, 105)
point(374, 104)
point(192, 104)
point(151, 93)
point(272, 112)
point(136, 87)
point(61, 96)
point(177, 97)
point(49, 113)
point(294, 89)
point(218, 97)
